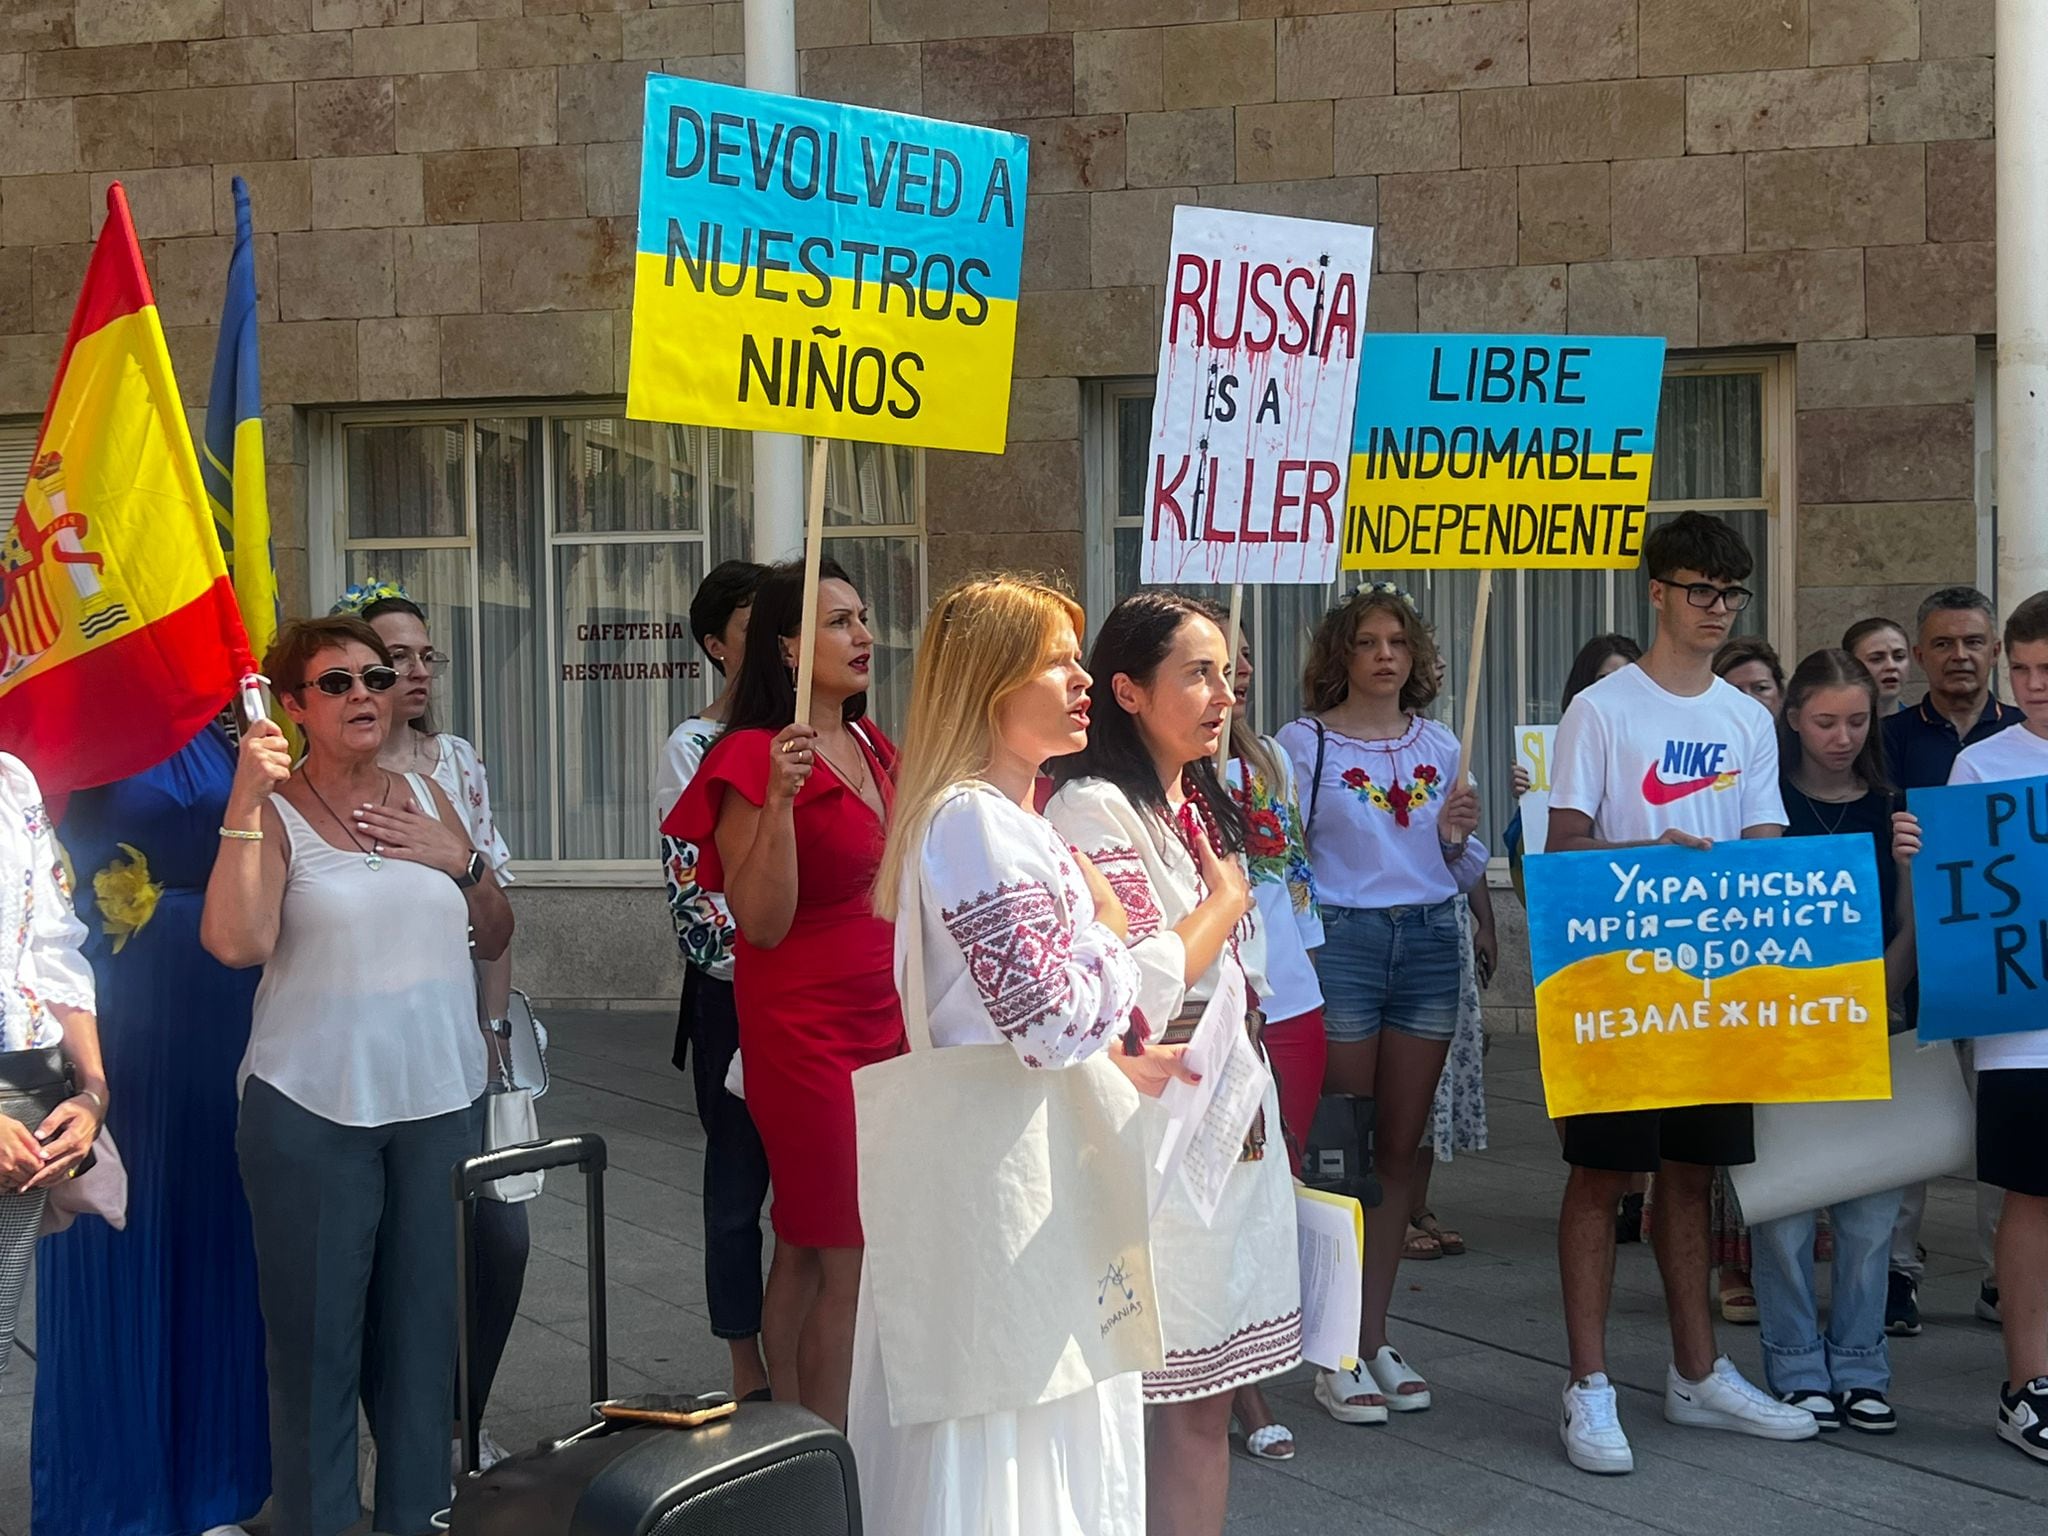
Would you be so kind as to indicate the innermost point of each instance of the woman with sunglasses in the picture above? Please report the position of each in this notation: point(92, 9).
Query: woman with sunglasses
point(503, 1234)
point(358, 891)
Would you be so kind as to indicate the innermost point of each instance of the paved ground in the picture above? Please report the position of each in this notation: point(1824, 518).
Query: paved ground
point(1483, 1326)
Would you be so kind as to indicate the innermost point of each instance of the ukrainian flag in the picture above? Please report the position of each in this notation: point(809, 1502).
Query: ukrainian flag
point(231, 460)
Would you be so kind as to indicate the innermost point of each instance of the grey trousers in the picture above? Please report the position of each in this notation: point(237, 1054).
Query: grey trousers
point(355, 1267)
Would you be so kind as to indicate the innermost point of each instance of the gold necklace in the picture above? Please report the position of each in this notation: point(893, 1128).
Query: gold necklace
point(858, 784)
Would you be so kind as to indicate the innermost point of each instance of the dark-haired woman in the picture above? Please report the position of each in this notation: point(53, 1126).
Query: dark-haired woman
point(1390, 834)
point(790, 822)
point(1144, 803)
point(1831, 765)
point(358, 891)
point(503, 1237)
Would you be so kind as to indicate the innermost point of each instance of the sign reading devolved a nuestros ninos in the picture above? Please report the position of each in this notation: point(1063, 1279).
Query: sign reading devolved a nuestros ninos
point(1258, 378)
point(1502, 452)
point(811, 267)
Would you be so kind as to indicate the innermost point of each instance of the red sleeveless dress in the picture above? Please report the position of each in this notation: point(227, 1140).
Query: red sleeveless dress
point(820, 1004)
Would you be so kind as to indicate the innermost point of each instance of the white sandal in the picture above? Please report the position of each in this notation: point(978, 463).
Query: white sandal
point(1390, 1373)
point(1261, 1442)
point(1335, 1388)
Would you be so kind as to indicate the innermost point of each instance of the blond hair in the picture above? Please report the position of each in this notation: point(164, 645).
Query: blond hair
point(986, 637)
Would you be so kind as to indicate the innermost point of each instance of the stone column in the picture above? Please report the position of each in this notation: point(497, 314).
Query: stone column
point(2022, 162)
point(778, 456)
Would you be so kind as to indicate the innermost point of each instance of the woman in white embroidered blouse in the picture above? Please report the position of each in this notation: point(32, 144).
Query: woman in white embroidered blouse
point(1144, 802)
point(46, 1003)
point(1023, 943)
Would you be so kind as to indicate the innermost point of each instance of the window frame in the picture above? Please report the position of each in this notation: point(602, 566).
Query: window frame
point(328, 548)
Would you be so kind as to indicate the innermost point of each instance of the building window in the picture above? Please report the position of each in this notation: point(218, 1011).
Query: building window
point(556, 552)
point(1723, 430)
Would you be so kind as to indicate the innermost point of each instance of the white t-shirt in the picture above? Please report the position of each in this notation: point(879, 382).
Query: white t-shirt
point(1641, 760)
point(2012, 754)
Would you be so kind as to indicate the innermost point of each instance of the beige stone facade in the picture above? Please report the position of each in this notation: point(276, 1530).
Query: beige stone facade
point(446, 192)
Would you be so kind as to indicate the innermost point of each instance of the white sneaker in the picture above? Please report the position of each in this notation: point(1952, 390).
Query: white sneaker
point(1589, 1424)
point(488, 1454)
point(1727, 1400)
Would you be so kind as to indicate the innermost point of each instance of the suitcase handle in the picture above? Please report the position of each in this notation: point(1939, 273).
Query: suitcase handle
point(471, 1175)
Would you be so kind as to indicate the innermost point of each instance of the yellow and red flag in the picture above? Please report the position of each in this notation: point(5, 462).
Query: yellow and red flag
point(119, 634)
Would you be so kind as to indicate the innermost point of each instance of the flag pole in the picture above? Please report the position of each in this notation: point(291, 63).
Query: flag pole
point(814, 550)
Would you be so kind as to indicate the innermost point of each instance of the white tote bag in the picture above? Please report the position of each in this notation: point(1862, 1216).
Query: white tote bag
point(1005, 1211)
point(1811, 1155)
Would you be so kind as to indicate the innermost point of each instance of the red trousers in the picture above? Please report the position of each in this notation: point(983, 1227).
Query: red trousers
point(1296, 1050)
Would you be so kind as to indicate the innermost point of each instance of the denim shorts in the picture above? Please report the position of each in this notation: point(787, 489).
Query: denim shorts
point(1392, 968)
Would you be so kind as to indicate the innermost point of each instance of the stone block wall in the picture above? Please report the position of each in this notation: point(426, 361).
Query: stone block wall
point(446, 193)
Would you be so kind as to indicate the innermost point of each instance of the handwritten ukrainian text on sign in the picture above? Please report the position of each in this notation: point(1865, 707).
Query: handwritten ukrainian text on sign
point(1752, 972)
point(1980, 907)
point(1258, 378)
point(1502, 451)
point(805, 266)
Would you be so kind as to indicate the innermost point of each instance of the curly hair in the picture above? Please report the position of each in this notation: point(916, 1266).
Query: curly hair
point(1326, 677)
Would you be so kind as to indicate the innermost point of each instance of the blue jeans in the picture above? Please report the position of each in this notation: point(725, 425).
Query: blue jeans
point(735, 1166)
point(1396, 968)
point(1853, 1354)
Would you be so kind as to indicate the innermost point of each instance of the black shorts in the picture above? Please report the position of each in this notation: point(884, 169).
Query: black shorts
point(1638, 1140)
point(2012, 1112)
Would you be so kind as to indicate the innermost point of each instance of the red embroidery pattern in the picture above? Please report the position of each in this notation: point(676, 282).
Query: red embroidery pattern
point(1124, 870)
point(1257, 1350)
point(1017, 946)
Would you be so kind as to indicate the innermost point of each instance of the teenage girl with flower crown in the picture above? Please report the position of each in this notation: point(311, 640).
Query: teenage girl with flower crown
point(1390, 824)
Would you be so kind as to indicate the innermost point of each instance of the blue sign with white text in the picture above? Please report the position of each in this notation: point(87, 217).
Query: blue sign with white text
point(1980, 908)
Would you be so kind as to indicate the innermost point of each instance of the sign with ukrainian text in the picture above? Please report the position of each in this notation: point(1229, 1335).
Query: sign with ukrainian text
point(1251, 418)
point(1506, 452)
point(1748, 973)
point(811, 267)
point(1980, 908)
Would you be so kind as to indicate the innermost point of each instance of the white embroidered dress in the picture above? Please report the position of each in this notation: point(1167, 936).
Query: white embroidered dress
point(1229, 1293)
point(1012, 952)
point(41, 963)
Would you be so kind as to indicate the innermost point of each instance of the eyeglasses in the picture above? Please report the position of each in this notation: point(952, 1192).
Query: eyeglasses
point(406, 659)
point(1704, 594)
point(335, 682)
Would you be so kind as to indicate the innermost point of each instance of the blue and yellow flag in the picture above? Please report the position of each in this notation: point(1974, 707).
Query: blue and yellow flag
point(231, 460)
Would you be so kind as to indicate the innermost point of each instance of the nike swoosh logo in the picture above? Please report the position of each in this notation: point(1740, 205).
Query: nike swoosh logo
point(1657, 792)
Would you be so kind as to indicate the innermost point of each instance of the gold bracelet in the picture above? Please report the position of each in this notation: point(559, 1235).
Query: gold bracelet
point(240, 836)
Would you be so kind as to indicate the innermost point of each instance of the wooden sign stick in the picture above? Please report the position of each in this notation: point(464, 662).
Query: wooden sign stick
point(1230, 645)
point(1478, 655)
point(814, 552)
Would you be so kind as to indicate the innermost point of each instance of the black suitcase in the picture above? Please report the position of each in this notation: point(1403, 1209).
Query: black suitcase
point(771, 1469)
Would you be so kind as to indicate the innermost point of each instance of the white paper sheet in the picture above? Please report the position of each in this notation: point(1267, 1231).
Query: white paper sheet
point(1533, 747)
point(1207, 1121)
point(1330, 1236)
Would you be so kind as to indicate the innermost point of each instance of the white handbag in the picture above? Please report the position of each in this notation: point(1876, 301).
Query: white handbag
point(1005, 1211)
point(1808, 1156)
point(520, 1077)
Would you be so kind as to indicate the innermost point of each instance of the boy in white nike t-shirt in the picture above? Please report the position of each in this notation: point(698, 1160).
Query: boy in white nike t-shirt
point(2012, 1070)
point(1663, 752)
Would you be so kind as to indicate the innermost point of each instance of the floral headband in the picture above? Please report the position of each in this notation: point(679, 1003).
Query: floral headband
point(1381, 589)
point(367, 594)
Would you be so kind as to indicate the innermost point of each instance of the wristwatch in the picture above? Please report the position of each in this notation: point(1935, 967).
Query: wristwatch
point(472, 872)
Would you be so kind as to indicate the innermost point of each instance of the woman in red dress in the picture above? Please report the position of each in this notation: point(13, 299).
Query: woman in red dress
point(790, 821)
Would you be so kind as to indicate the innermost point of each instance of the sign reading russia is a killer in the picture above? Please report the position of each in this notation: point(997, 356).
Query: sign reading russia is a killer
point(806, 266)
point(1258, 380)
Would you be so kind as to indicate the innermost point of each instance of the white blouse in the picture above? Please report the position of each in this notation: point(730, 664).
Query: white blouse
point(41, 938)
point(1155, 876)
point(460, 771)
point(1012, 950)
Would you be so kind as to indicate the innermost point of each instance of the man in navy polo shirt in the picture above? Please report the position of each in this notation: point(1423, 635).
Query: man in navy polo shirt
point(1957, 651)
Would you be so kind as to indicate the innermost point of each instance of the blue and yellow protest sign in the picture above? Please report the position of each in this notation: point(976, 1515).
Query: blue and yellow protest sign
point(810, 267)
point(1980, 908)
point(1502, 452)
point(1748, 973)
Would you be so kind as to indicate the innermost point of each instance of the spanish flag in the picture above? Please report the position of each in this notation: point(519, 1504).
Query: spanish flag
point(119, 635)
point(231, 458)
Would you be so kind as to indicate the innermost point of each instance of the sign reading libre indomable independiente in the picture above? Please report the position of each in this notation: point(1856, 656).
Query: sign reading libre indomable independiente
point(1502, 452)
point(812, 267)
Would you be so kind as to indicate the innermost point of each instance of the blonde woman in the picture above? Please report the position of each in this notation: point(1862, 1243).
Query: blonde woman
point(1022, 943)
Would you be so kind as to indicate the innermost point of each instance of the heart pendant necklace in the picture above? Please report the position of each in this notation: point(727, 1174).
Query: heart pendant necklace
point(373, 856)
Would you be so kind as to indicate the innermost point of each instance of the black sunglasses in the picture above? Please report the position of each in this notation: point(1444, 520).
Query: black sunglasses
point(335, 682)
